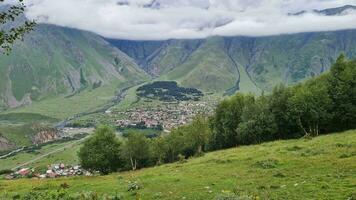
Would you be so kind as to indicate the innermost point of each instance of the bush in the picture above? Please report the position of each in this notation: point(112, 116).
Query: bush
point(267, 164)
point(6, 171)
point(133, 186)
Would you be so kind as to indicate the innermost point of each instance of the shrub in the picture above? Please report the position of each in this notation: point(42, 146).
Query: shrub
point(6, 171)
point(267, 164)
point(133, 186)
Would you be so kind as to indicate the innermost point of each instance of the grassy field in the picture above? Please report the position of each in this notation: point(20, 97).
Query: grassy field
point(320, 168)
point(63, 107)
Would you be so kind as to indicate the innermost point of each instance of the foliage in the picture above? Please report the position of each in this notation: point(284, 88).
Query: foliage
point(258, 123)
point(8, 37)
point(133, 186)
point(136, 150)
point(6, 171)
point(341, 86)
point(198, 134)
point(227, 117)
point(102, 152)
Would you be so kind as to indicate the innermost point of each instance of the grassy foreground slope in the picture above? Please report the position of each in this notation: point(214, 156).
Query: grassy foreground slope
point(320, 168)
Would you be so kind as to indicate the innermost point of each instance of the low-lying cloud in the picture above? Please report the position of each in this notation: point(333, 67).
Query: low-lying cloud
point(188, 19)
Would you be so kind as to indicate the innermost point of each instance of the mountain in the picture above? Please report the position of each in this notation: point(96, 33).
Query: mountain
point(330, 11)
point(247, 64)
point(337, 11)
point(54, 61)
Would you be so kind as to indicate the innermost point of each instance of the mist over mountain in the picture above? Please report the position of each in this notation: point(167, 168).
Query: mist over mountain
point(193, 19)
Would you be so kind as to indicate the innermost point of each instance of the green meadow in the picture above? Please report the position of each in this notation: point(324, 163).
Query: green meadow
point(319, 168)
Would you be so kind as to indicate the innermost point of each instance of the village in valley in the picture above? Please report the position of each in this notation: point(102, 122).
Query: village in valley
point(165, 116)
point(53, 171)
point(160, 105)
point(159, 108)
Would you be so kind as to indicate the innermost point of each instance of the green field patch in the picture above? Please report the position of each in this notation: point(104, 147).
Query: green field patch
point(26, 118)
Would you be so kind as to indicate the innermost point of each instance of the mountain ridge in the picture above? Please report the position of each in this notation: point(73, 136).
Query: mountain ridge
point(55, 60)
point(262, 62)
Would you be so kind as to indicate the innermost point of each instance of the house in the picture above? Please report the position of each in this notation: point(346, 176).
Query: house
point(24, 172)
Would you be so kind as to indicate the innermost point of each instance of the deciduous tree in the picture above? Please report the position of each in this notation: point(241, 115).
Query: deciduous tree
point(9, 32)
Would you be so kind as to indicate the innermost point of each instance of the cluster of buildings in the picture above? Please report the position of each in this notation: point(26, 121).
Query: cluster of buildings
point(53, 171)
point(166, 115)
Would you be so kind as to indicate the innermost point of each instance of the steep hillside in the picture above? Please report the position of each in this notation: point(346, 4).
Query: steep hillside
point(56, 61)
point(24, 129)
point(319, 168)
point(241, 63)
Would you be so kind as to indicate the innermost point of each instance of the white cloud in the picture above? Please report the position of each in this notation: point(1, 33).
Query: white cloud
point(166, 19)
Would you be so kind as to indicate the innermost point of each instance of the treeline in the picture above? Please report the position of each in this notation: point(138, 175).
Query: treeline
point(106, 153)
point(321, 105)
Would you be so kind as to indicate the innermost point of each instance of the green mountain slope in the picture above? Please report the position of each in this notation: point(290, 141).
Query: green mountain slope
point(231, 64)
point(318, 168)
point(56, 61)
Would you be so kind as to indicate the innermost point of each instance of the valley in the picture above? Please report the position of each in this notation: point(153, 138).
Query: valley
point(119, 104)
point(197, 107)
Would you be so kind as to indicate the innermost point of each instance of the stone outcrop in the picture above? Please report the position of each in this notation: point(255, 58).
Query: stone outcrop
point(45, 135)
point(5, 144)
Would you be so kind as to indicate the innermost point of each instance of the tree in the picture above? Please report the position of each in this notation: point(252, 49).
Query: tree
point(226, 120)
point(342, 91)
point(309, 106)
point(258, 123)
point(158, 149)
point(102, 152)
point(278, 105)
point(10, 33)
point(175, 144)
point(198, 133)
point(137, 150)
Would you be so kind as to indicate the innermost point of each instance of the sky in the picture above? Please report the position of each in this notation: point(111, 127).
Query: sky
point(190, 19)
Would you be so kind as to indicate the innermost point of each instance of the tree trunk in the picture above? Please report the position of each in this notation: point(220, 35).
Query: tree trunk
point(200, 149)
point(133, 164)
point(301, 126)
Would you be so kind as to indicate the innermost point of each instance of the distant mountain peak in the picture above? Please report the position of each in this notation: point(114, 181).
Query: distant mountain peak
point(343, 10)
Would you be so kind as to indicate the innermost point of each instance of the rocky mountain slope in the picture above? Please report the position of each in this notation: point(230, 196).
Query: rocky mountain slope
point(55, 61)
point(242, 63)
